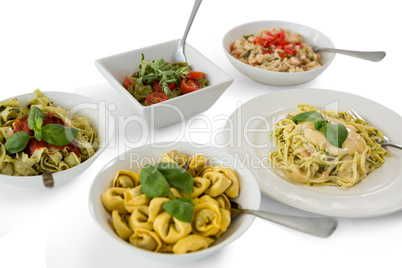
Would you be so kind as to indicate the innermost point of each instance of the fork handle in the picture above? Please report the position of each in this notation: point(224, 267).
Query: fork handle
point(392, 145)
point(318, 226)
point(365, 55)
point(190, 22)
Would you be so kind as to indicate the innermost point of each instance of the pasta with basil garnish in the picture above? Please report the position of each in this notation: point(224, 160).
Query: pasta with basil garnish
point(39, 137)
point(184, 209)
point(316, 147)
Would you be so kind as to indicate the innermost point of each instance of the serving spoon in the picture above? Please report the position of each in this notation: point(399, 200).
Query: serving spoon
point(48, 180)
point(365, 55)
point(180, 56)
point(320, 226)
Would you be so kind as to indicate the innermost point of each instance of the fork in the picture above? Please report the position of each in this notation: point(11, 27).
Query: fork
point(384, 141)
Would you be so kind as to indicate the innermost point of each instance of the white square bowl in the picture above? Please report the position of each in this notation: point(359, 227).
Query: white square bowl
point(117, 67)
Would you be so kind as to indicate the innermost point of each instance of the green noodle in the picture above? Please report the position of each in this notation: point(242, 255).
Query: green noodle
point(43, 159)
point(312, 163)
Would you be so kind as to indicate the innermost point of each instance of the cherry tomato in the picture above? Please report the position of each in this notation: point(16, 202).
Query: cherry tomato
point(158, 87)
point(127, 82)
point(189, 85)
point(155, 98)
point(195, 75)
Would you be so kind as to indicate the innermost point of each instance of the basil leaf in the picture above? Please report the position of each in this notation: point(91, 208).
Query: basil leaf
point(153, 183)
point(319, 123)
point(58, 135)
point(182, 209)
point(17, 142)
point(38, 135)
point(336, 134)
point(35, 119)
point(176, 176)
point(307, 116)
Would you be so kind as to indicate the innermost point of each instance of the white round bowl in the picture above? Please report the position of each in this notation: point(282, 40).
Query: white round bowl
point(98, 117)
point(133, 159)
point(311, 36)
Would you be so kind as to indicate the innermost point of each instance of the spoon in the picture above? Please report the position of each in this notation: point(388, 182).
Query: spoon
point(320, 226)
point(365, 55)
point(48, 179)
point(180, 55)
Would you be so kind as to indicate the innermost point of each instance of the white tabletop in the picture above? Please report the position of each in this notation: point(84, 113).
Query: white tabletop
point(53, 46)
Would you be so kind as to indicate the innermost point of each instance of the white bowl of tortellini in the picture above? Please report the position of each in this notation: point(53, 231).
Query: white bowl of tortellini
point(170, 201)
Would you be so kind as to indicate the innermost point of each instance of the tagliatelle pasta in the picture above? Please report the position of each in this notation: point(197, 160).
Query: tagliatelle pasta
point(39, 156)
point(276, 50)
point(306, 156)
point(144, 222)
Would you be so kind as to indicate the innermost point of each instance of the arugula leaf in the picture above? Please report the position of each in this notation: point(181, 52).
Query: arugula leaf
point(247, 36)
point(17, 142)
point(163, 71)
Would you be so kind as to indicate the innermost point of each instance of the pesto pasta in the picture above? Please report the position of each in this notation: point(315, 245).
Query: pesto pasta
point(147, 223)
point(38, 156)
point(306, 155)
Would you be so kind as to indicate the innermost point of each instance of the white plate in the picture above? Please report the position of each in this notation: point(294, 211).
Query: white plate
point(247, 136)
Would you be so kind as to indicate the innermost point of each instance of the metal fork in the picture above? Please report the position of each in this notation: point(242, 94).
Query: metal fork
point(384, 141)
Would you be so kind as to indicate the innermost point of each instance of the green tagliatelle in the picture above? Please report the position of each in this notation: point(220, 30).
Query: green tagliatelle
point(52, 159)
point(306, 157)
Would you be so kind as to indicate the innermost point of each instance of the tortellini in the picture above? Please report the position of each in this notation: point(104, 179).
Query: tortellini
point(120, 225)
point(143, 221)
point(126, 179)
point(175, 157)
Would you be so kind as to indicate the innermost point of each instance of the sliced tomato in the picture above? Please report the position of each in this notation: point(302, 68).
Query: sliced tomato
point(189, 85)
point(299, 44)
point(270, 37)
point(290, 49)
point(277, 41)
point(157, 87)
point(231, 46)
point(128, 81)
point(280, 35)
point(282, 54)
point(155, 97)
point(260, 41)
point(195, 75)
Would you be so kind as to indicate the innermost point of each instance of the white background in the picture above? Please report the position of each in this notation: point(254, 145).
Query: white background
point(52, 45)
